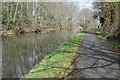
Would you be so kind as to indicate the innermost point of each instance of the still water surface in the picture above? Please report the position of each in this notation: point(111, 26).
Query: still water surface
point(20, 54)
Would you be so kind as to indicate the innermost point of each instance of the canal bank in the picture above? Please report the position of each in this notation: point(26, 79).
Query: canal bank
point(30, 49)
point(58, 63)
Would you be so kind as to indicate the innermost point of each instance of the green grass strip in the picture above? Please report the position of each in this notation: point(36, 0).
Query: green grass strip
point(104, 37)
point(58, 63)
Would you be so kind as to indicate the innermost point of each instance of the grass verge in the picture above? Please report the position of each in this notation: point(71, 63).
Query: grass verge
point(104, 37)
point(58, 63)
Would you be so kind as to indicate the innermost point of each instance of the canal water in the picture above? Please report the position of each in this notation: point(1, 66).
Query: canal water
point(20, 54)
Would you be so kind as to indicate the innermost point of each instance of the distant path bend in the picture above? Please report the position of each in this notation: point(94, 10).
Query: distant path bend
point(97, 59)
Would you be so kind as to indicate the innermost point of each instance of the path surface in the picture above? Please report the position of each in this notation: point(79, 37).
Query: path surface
point(96, 59)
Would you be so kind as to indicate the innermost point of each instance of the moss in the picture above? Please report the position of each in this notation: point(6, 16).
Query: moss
point(58, 63)
point(116, 44)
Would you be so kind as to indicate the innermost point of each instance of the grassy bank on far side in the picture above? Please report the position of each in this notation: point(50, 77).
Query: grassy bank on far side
point(104, 37)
